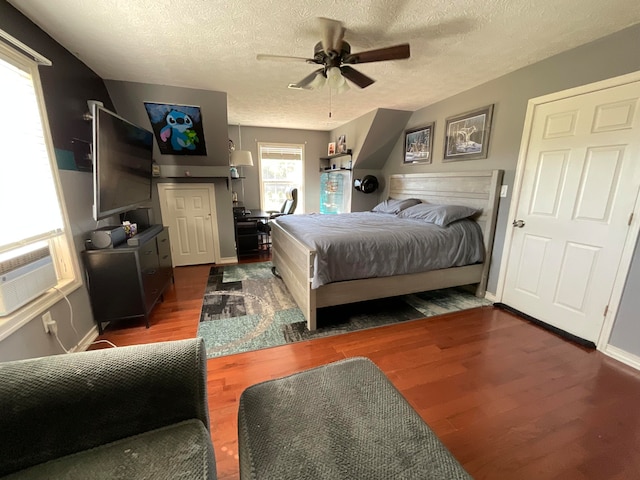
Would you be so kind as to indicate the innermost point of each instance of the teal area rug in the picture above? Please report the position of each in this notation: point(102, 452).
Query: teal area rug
point(247, 308)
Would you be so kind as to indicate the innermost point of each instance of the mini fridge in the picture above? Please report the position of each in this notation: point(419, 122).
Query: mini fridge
point(335, 191)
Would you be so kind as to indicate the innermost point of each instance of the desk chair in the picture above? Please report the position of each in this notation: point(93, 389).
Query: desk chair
point(288, 207)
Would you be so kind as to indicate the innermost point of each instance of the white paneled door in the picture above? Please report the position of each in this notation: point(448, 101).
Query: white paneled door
point(578, 191)
point(189, 212)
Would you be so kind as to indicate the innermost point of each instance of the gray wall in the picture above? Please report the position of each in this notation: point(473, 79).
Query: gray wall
point(129, 98)
point(315, 146)
point(608, 57)
point(371, 137)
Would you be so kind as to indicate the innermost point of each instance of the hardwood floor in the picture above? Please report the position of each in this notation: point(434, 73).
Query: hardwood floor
point(509, 399)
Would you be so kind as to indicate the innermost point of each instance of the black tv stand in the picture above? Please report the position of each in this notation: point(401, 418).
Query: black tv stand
point(127, 281)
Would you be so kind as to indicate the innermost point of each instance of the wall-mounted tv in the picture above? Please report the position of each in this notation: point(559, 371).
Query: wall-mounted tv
point(122, 158)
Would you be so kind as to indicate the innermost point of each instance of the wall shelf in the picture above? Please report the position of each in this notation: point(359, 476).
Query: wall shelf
point(342, 154)
point(327, 163)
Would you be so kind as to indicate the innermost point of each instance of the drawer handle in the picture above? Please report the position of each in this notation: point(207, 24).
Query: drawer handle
point(148, 252)
point(151, 272)
point(163, 240)
point(166, 256)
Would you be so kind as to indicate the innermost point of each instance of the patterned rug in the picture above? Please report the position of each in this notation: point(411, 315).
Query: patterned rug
point(247, 308)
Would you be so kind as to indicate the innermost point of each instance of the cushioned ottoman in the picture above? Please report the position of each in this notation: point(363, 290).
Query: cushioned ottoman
point(344, 420)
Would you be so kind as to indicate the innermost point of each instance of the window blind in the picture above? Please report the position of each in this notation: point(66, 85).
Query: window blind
point(281, 152)
point(29, 206)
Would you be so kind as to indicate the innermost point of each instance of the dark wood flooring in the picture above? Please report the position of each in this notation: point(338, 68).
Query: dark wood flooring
point(509, 399)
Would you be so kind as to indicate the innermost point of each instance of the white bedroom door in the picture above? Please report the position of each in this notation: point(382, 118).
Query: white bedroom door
point(579, 188)
point(189, 212)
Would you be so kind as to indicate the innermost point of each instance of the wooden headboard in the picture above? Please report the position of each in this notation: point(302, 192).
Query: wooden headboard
point(480, 189)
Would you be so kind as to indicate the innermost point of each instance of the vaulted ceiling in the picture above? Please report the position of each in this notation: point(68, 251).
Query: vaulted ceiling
point(212, 45)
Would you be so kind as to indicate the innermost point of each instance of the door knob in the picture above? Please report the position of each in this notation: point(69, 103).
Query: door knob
point(518, 223)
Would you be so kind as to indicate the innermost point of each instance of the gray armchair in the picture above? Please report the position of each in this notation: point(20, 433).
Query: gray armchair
point(126, 413)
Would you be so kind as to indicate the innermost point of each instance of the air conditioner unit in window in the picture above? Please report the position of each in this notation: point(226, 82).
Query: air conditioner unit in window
point(24, 278)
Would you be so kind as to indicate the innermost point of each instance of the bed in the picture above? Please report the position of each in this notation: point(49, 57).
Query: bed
point(296, 261)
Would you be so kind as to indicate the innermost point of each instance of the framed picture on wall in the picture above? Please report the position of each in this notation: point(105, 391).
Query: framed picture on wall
point(178, 128)
point(418, 144)
point(467, 135)
point(342, 144)
point(332, 149)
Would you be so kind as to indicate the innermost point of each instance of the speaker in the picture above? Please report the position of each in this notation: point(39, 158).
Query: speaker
point(107, 237)
point(368, 184)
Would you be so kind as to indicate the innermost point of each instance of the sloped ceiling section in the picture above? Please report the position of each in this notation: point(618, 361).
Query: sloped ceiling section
point(382, 136)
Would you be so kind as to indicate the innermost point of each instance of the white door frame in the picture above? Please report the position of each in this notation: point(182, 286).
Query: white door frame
point(632, 233)
point(164, 186)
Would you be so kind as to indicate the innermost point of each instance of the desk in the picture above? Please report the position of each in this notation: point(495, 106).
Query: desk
point(246, 230)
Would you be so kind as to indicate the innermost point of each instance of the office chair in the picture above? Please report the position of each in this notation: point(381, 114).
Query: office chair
point(288, 207)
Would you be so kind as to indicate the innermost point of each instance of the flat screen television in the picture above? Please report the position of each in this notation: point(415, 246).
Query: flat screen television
point(122, 158)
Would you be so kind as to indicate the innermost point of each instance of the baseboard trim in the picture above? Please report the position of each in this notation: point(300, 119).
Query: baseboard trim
point(561, 333)
point(622, 356)
point(490, 296)
point(87, 340)
point(227, 260)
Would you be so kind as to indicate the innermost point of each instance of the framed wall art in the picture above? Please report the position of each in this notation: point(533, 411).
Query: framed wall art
point(342, 144)
point(332, 149)
point(418, 144)
point(178, 128)
point(467, 135)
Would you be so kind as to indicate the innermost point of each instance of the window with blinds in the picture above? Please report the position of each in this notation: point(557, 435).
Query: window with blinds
point(281, 168)
point(31, 210)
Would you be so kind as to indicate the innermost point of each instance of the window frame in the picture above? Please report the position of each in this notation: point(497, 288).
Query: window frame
point(62, 246)
point(301, 146)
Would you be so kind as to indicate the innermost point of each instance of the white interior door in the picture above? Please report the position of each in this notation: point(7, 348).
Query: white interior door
point(189, 212)
point(578, 191)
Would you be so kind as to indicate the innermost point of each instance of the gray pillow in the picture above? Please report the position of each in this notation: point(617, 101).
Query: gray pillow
point(394, 206)
point(441, 215)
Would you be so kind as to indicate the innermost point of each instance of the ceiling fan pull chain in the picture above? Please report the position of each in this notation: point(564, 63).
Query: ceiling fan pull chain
point(329, 102)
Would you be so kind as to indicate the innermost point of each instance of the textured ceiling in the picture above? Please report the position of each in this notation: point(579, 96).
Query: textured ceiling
point(212, 45)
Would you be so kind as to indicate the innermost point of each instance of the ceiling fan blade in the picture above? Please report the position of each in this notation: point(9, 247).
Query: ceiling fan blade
point(332, 34)
point(283, 58)
point(396, 52)
point(306, 81)
point(360, 79)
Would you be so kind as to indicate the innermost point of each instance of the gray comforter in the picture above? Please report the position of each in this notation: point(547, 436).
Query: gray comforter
point(365, 244)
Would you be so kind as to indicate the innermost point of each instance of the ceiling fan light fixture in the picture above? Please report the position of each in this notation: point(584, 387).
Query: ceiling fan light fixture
point(343, 88)
point(335, 78)
point(319, 81)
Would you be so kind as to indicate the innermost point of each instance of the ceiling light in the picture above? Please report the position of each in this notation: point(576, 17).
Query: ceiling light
point(319, 81)
point(335, 78)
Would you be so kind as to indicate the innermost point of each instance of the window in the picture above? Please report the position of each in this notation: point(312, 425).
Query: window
point(32, 213)
point(280, 169)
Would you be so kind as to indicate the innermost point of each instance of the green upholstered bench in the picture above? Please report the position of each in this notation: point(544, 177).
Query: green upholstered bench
point(121, 413)
point(344, 420)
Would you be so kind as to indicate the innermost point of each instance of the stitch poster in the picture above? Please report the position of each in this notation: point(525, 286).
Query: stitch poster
point(178, 128)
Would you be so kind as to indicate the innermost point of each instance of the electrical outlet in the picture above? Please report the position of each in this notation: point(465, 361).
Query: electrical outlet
point(504, 190)
point(48, 322)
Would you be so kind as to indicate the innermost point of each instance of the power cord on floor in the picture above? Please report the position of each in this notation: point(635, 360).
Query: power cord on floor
point(54, 326)
point(105, 341)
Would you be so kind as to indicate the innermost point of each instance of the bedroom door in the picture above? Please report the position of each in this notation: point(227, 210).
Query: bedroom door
point(578, 192)
point(189, 212)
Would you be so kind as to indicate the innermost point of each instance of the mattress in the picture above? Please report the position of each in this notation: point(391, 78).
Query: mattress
point(352, 246)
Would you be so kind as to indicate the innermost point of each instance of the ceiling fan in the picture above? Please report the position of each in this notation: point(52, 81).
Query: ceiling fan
point(334, 54)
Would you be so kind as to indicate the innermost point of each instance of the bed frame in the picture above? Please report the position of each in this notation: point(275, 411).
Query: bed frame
point(293, 260)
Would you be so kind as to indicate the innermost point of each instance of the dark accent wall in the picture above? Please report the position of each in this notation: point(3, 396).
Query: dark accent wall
point(67, 85)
